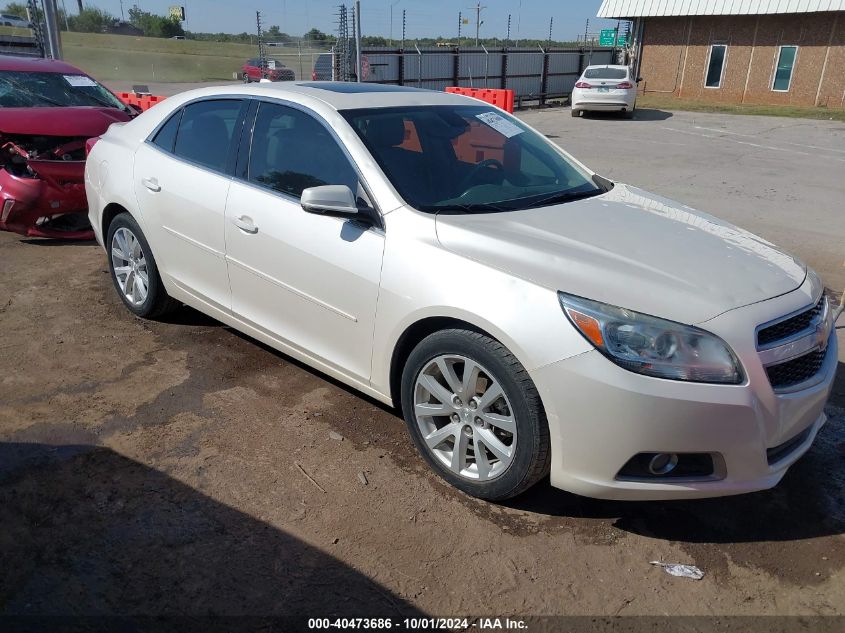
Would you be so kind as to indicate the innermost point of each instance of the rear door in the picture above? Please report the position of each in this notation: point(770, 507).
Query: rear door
point(182, 176)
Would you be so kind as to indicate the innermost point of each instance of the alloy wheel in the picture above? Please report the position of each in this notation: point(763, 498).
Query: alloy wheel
point(130, 266)
point(464, 417)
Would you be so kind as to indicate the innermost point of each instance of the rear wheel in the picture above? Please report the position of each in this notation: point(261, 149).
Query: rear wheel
point(134, 271)
point(245, 78)
point(475, 414)
point(575, 113)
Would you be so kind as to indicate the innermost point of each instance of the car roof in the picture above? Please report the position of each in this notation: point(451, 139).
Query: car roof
point(339, 95)
point(37, 65)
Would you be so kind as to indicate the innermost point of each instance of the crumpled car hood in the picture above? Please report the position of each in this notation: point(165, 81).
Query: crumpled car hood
point(70, 121)
point(632, 249)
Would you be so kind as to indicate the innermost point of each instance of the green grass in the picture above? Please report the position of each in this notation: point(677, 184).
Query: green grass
point(148, 59)
point(660, 102)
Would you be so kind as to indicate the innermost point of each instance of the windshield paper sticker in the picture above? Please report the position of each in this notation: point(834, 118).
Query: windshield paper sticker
point(499, 123)
point(79, 81)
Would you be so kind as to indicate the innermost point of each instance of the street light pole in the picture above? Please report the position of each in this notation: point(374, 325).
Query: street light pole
point(478, 9)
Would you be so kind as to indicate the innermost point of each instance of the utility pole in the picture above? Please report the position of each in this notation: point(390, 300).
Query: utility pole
point(508, 39)
point(358, 39)
point(262, 61)
point(551, 21)
point(460, 21)
point(403, 29)
point(478, 9)
point(54, 39)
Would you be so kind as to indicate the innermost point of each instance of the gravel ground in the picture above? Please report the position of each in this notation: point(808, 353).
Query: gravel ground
point(180, 468)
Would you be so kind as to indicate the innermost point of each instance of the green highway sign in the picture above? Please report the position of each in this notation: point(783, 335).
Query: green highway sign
point(607, 37)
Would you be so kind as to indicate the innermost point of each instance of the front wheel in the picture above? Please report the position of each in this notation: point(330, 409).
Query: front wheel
point(575, 113)
point(133, 269)
point(475, 415)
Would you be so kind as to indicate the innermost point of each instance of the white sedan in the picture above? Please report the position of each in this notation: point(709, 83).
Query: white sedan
point(605, 88)
point(528, 316)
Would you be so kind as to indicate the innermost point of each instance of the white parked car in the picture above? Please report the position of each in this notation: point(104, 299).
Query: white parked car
point(605, 88)
point(10, 19)
point(433, 252)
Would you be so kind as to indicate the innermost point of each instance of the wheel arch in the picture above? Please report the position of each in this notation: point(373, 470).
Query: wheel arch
point(110, 212)
point(414, 334)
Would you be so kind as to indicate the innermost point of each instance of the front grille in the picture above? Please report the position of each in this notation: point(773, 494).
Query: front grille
point(797, 370)
point(777, 453)
point(788, 327)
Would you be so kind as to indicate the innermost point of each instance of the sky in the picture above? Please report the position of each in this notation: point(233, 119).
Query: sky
point(424, 18)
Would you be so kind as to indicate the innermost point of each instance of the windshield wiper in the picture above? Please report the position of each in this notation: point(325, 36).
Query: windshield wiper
point(105, 104)
point(479, 207)
point(565, 196)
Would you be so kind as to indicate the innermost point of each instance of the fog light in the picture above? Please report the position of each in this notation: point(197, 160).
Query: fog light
point(663, 463)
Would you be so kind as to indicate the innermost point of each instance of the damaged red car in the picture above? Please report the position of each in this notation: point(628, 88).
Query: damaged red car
point(48, 110)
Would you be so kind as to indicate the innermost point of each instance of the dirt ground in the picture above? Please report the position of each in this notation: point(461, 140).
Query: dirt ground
point(180, 468)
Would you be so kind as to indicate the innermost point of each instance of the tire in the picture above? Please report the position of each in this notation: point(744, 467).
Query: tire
point(575, 113)
point(139, 258)
point(518, 407)
point(629, 114)
point(246, 78)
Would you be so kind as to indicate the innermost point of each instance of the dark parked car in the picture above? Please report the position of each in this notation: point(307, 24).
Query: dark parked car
point(322, 68)
point(254, 70)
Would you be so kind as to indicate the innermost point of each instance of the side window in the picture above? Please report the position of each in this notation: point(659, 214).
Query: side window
point(292, 151)
point(783, 71)
point(166, 135)
point(206, 130)
point(715, 66)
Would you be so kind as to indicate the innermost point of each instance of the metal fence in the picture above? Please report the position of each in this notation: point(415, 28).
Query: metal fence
point(532, 73)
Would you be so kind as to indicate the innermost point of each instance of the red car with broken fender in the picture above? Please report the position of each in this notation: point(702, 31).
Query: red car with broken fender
point(48, 110)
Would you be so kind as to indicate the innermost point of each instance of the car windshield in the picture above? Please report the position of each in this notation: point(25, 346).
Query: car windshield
point(468, 158)
point(35, 90)
point(605, 73)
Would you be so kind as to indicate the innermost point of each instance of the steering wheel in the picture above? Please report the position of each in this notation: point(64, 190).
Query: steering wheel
point(473, 174)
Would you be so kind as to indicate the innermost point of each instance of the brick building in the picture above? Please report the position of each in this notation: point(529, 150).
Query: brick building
point(777, 52)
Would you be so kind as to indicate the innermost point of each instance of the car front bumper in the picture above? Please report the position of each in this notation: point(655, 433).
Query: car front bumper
point(25, 201)
point(601, 416)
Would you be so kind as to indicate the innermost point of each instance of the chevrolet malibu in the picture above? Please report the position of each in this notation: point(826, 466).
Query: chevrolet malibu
point(527, 315)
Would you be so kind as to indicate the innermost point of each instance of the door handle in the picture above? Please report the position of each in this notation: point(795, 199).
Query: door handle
point(245, 224)
point(151, 184)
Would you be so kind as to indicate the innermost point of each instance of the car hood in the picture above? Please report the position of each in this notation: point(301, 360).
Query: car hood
point(632, 249)
point(60, 121)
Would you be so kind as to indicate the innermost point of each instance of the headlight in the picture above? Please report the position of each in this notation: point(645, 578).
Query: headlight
point(651, 346)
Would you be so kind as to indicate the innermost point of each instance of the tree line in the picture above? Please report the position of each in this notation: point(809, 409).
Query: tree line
point(96, 20)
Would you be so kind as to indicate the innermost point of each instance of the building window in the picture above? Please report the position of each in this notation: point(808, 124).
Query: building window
point(783, 71)
point(716, 66)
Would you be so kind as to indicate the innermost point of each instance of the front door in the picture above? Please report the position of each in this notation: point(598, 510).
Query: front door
point(311, 281)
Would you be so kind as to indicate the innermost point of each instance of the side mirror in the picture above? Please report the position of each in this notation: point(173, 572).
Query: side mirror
point(329, 200)
point(639, 79)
